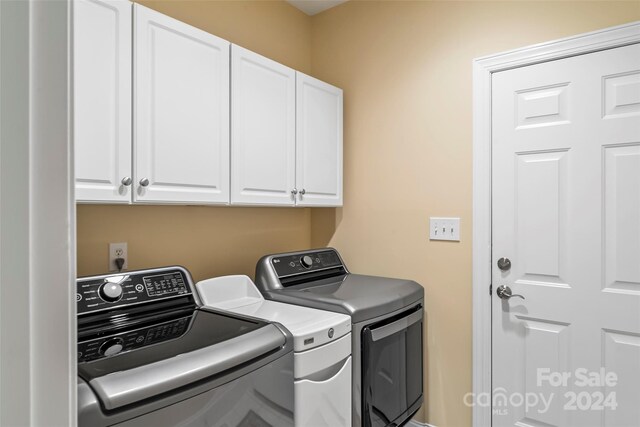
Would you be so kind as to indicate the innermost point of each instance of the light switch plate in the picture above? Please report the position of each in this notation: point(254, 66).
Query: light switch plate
point(444, 229)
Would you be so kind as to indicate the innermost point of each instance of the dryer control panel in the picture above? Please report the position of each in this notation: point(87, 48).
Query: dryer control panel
point(291, 264)
point(284, 270)
point(116, 290)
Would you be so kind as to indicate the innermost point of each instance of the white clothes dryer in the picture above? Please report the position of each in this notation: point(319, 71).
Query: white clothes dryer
point(321, 343)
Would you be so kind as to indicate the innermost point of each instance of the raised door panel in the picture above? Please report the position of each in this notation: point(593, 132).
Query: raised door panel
point(181, 112)
point(262, 130)
point(621, 196)
point(102, 100)
point(318, 142)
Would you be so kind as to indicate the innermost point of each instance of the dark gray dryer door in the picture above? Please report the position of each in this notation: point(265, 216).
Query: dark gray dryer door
point(392, 369)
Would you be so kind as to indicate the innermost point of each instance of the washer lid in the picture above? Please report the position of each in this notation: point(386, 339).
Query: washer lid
point(238, 294)
point(310, 327)
point(127, 365)
point(361, 297)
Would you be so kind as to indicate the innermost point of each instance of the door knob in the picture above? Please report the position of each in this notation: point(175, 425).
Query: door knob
point(126, 181)
point(504, 264)
point(294, 191)
point(144, 182)
point(504, 292)
point(302, 192)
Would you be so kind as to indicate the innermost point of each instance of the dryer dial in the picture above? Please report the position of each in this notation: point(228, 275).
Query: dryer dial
point(306, 261)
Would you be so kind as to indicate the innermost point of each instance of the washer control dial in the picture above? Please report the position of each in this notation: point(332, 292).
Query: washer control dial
point(306, 261)
point(111, 347)
point(110, 292)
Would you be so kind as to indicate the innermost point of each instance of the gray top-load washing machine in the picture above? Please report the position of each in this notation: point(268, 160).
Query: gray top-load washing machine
point(387, 327)
point(150, 355)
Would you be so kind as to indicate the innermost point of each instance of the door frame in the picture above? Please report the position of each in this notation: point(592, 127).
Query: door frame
point(483, 68)
point(38, 380)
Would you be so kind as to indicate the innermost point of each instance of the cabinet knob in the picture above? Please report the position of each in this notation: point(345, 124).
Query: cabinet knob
point(144, 182)
point(126, 181)
point(294, 191)
point(302, 192)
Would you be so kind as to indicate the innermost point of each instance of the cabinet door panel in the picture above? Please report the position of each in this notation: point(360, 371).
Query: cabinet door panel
point(181, 111)
point(318, 142)
point(102, 100)
point(263, 130)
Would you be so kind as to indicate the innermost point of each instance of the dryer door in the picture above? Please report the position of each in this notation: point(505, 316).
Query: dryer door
point(392, 369)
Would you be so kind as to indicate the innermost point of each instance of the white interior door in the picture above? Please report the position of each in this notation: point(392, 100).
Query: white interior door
point(263, 98)
point(181, 112)
point(566, 212)
point(318, 142)
point(102, 100)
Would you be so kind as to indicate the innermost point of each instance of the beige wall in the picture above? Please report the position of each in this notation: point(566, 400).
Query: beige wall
point(209, 241)
point(405, 68)
point(274, 29)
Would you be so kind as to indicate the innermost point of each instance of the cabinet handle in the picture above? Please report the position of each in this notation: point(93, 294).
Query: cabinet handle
point(126, 181)
point(144, 182)
point(294, 191)
point(302, 192)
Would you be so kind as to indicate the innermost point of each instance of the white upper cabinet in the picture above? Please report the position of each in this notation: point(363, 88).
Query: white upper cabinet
point(181, 106)
point(194, 120)
point(102, 100)
point(263, 133)
point(318, 142)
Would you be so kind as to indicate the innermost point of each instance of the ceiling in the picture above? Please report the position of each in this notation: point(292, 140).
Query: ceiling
point(311, 7)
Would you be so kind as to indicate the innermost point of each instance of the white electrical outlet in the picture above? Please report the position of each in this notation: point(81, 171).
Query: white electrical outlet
point(118, 250)
point(444, 229)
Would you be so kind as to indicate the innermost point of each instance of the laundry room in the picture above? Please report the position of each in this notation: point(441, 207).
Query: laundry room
point(320, 213)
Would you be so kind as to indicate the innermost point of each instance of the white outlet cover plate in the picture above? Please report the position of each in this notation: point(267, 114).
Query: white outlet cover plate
point(113, 250)
point(444, 229)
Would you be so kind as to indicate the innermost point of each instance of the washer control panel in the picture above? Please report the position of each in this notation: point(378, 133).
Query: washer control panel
point(136, 287)
point(293, 264)
point(115, 344)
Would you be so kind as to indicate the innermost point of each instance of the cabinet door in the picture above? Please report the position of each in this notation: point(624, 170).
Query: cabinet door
point(262, 131)
point(318, 142)
point(181, 109)
point(102, 100)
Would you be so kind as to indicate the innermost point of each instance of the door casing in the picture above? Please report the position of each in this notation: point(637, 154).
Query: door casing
point(483, 68)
